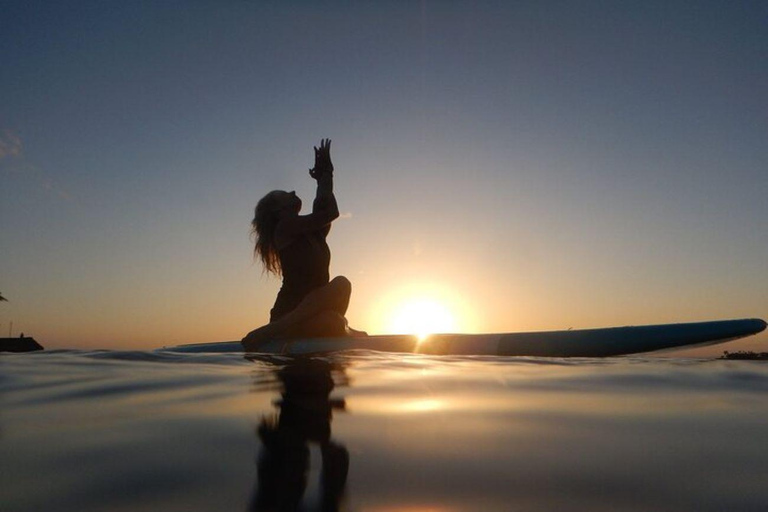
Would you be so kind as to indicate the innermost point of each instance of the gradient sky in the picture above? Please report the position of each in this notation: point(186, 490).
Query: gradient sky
point(535, 165)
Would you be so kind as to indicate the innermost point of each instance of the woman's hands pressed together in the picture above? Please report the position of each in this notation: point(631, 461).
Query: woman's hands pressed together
point(323, 165)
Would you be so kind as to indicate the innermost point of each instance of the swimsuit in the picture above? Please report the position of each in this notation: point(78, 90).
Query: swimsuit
point(305, 265)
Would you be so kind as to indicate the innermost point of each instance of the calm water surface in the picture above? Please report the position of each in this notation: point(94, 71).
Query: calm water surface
point(92, 431)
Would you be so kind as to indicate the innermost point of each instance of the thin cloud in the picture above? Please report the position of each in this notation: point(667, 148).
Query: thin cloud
point(14, 161)
point(48, 185)
point(10, 145)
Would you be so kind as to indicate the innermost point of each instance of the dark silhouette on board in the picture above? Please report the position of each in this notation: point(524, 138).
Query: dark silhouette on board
point(294, 246)
point(304, 418)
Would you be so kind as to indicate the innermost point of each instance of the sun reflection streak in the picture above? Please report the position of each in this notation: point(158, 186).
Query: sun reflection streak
point(411, 508)
point(424, 405)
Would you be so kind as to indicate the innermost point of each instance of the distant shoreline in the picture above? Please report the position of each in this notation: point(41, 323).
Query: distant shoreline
point(20, 344)
point(745, 355)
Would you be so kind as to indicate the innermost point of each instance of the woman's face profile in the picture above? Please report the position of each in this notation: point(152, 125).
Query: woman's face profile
point(288, 201)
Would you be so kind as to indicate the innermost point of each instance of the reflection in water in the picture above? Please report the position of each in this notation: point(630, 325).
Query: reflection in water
point(135, 431)
point(304, 419)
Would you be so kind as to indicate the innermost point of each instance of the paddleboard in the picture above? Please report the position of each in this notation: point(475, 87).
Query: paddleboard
point(612, 341)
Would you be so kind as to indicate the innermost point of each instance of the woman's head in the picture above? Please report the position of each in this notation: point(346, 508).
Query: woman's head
point(268, 212)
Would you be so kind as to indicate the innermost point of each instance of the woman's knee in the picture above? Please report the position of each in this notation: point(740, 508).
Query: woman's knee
point(341, 290)
point(342, 284)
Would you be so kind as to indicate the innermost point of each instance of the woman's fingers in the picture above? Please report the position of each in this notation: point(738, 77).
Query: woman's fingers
point(323, 155)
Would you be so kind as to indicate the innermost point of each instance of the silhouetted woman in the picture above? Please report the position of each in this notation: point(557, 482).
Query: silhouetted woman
point(294, 246)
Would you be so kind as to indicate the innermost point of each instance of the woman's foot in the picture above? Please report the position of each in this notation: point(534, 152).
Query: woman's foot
point(256, 338)
point(355, 333)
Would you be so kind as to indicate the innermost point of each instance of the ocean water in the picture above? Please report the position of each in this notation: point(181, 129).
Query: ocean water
point(119, 431)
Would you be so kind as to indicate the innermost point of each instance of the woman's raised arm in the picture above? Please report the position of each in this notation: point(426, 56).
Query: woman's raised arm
point(322, 172)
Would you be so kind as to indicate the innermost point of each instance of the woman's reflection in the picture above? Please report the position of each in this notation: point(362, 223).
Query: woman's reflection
point(305, 413)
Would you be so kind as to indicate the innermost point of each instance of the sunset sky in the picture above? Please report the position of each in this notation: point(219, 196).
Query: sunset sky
point(521, 165)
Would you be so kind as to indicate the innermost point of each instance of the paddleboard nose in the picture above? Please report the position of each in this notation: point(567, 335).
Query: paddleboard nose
point(761, 324)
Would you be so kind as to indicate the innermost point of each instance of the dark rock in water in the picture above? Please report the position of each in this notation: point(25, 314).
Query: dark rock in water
point(23, 344)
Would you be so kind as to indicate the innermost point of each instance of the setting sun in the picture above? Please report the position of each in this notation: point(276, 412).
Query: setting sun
point(421, 308)
point(422, 317)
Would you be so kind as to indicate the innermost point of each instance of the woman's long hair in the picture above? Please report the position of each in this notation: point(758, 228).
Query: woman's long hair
point(263, 230)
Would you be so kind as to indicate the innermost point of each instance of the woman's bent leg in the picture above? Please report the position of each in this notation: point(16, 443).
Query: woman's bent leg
point(322, 325)
point(333, 297)
point(341, 291)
